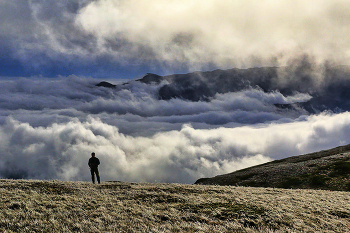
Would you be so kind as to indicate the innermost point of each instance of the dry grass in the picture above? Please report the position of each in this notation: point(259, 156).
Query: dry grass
point(56, 206)
point(327, 170)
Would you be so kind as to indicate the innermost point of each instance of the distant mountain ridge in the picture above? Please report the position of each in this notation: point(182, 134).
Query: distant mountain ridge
point(198, 86)
point(328, 170)
point(329, 93)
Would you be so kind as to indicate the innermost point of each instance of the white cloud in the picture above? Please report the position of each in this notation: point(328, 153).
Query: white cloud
point(223, 32)
point(61, 151)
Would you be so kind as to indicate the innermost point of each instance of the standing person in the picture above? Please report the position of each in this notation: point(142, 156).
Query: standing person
point(93, 164)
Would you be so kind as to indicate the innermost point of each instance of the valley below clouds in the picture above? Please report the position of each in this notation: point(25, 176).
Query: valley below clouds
point(49, 127)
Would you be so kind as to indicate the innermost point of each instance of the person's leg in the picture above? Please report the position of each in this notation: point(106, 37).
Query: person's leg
point(97, 175)
point(92, 175)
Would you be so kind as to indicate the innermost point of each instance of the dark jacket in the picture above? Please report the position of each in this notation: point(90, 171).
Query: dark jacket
point(93, 162)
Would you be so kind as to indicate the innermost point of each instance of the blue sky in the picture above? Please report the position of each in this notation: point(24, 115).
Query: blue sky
point(100, 68)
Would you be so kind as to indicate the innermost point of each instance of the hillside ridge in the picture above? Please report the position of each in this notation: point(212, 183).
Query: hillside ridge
point(326, 169)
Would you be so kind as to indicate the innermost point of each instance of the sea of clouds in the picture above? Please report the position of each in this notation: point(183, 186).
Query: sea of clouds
point(49, 127)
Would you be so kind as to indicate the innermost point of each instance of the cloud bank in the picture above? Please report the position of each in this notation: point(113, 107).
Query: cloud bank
point(172, 35)
point(49, 127)
point(61, 151)
point(222, 32)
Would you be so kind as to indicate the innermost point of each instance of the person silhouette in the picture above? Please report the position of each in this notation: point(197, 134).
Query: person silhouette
point(93, 164)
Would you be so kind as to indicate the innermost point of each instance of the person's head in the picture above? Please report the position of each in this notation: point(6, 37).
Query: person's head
point(93, 154)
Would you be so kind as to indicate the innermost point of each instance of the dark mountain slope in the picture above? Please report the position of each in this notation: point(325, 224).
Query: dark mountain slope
point(106, 84)
point(329, 86)
point(328, 169)
point(203, 85)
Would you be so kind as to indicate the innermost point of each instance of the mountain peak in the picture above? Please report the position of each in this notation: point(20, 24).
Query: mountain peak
point(105, 84)
point(151, 78)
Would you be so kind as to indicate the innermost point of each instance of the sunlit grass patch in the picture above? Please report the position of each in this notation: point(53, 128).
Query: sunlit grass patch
point(222, 210)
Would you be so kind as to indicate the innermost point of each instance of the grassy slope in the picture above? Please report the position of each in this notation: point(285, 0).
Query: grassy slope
point(55, 206)
point(328, 170)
